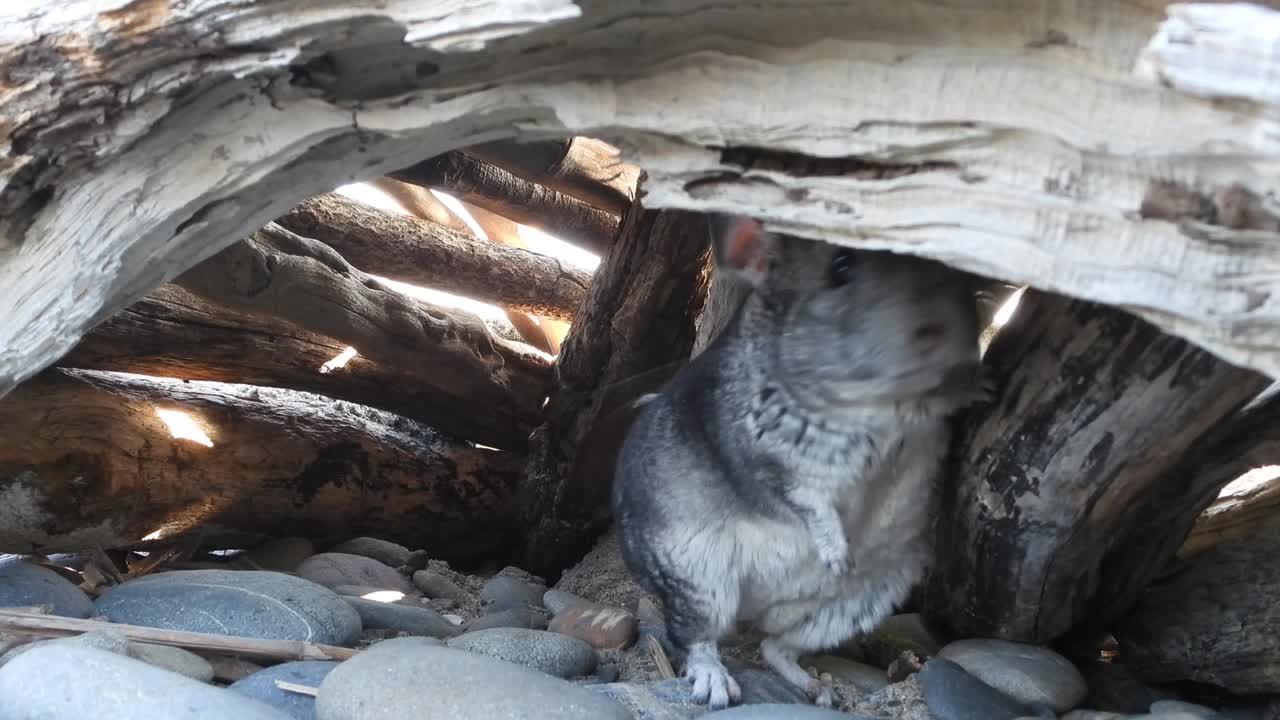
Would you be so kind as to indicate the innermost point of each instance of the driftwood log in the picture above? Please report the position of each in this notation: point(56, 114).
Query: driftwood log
point(584, 168)
point(137, 139)
point(418, 252)
point(172, 333)
point(638, 320)
point(500, 192)
point(1059, 486)
point(87, 459)
point(278, 274)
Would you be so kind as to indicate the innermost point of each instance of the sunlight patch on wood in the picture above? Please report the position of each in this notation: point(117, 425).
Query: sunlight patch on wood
point(183, 427)
point(1005, 313)
point(1251, 481)
point(338, 361)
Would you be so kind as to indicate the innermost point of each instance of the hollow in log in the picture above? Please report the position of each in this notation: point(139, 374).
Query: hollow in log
point(1059, 479)
point(638, 318)
point(585, 168)
point(103, 459)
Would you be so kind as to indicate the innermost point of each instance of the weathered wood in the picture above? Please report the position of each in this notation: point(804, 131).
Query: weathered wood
point(172, 333)
point(1015, 141)
point(590, 170)
point(1214, 620)
point(87, 460)
point(418, 252)
point(639, 317)
point(275, 273)
point(500, 192)
point(1053, 482)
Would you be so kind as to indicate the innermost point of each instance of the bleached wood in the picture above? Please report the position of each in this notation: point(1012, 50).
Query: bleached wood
point(1014, 140)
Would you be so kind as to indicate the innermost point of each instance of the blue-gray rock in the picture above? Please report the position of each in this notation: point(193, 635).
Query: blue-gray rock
point(410, 678)
point(548, 652)
point(173, 659)
point(412, 620)
point(782, 712)
point(435, 585)
point(24, 584)
point(512, 618)
point(1027, 673)
point(504, 592)
point(63, 681)
point(646, 704)
point(1164, 708)
point(557, 601)
point(250, 603)
point(763, 687)
point(261, 686)
point(953, 694)
point(387, 553)
point(333, 569)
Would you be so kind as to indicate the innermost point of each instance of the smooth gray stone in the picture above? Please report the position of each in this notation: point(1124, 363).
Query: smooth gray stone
point(249, 603)
point(25, 584)
point(953, 694)
point(503, 592)
point(1163, 708)
point(434, 585)
point(548, 652)
point(645, 704)
point(415, 621)
point(71, 682)
point(867, 678)
point(387, 553)
point(261, 686)
point(1030, 674)
point(411, 678)
point(332, 569)
point(513, 618)
point(558, 601)
point(280, 554)
point(782, 712)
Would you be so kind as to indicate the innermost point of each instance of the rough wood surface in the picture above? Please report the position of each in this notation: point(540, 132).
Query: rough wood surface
point(172, 333)
point(1213, 621)
point(1015, 141)
point(422, 253)
point(505, 194)
point(587, 169)
point(638, 319)
point(87, 460)
point(278, 274)
point(1059, 485)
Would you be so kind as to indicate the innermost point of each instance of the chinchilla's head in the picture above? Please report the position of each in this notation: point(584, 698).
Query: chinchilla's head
point(848, 327)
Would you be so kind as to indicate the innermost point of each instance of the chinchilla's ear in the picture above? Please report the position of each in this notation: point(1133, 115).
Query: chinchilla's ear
point(742, 247)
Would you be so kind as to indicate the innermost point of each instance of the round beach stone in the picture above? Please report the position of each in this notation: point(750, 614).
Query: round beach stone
point(411, 620)
point(387, 553)
point(173, 659)
point(1171, 708)
point(645, 704)
point(782, 712)
point(548, 652)
point(865, 678)
point(558, 601)
point(64, 681)
point(25, 584)
point(261, 686)
point(249, 603)
point(411, 678)
point(333, 569)
point(600, 626)
point(435, 585)
point(504, 592)
point(280, 554)
point(953, 694)
point(513, 618)
point(1029, 674)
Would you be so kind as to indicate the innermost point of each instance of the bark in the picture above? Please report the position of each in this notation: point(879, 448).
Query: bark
point(417, 252)
point(1071, 478)
point(590, 170)
point(277, 274)
point(140, 139)
point(172, 333)
point(500, 192)
point(87, 460)
point(638, 322)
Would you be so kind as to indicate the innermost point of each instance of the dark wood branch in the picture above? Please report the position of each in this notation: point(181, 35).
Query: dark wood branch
point(1074, 460)
point(173, 333)
point(418, 252)
point(276, 273)
point(638, 319)
point(498, 191)
point(87, 460)
point(584, 168)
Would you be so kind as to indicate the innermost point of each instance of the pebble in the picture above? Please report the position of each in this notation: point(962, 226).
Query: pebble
point(435, 585)
point(108, 640)
point(334, 569)
point(411, 620)
point(408, 678)
point(387, 553)
point(504, 592)
point(1093, 715)
point(1026, 673)
point(600, 626)
point(907, 631)
point(64, 681)
point(261, 686)
point(173, 659)
point(646, 704)
point(229, 669)
point(24, 584)
point(953, 694)
point(250, 603)
point(548, 652)
point(557, 601)
point(1165, 708)
point(763, 687)
point(782, 712)
point(866, 678)
point(515, 618)
point(280, 554)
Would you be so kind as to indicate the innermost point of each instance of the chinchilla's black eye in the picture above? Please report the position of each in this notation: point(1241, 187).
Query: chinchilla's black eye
point(840, 267)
